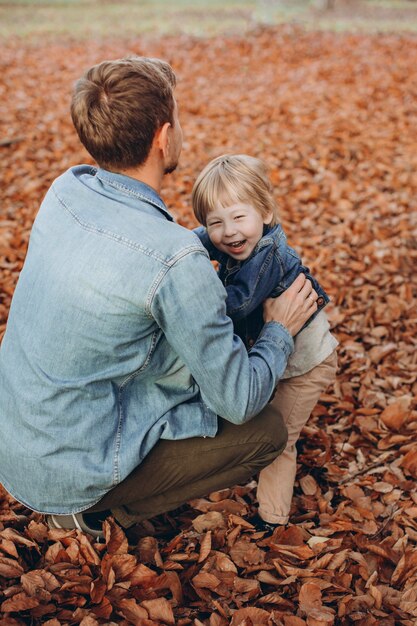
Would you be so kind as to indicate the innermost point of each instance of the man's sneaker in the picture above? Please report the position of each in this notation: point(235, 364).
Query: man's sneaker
point(77, 521)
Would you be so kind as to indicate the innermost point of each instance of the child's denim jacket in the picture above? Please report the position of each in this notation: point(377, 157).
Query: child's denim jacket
point(271, 269)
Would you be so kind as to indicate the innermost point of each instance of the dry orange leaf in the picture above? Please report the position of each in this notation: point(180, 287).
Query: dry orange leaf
point(19, 602)
point(309, 597)
point(409, 463)
point(209, 521)
point(159, 609)
point(292, 620)
point(255, 615)
point(205, 547)
point(132, 611)
point(9, 568)
point(395, 415)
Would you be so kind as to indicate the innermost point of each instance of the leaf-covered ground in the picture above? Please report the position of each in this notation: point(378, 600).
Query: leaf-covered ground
point(335, 117)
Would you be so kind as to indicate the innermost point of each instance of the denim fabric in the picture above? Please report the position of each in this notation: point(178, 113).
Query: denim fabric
point(117, 337)
point(269, 271)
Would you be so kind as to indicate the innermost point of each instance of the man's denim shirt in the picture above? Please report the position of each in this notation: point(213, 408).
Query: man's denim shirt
point(269, 271)
point(117, 337)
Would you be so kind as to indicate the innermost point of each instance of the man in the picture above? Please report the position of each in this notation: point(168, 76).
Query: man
point(118, 356)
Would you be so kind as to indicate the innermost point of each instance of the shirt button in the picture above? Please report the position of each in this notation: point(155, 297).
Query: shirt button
point(320, 301)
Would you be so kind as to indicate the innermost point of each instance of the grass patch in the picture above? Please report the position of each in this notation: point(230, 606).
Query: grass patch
point(82, 19)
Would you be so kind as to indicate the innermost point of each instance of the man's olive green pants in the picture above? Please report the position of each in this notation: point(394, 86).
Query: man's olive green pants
point(177, 471)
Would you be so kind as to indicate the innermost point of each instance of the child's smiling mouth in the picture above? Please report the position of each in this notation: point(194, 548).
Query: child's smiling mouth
point(236, 245)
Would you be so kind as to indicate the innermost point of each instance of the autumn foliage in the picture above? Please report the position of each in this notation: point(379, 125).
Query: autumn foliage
point(335, 118)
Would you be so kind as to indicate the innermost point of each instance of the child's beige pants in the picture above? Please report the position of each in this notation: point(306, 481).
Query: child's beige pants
point(295, 398)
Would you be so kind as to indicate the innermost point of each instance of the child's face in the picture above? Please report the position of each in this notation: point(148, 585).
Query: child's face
point(236, 229)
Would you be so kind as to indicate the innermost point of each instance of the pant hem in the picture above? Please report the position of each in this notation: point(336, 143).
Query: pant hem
point(123, 518)
point(273, 519)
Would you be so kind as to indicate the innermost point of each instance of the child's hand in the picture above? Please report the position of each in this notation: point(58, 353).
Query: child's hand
point(293, 307)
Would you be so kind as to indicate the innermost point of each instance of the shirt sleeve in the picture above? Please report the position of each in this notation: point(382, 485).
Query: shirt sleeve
point(189, 305)
point(252, 285)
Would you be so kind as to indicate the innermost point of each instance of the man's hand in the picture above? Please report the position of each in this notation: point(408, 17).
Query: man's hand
point(293, 307)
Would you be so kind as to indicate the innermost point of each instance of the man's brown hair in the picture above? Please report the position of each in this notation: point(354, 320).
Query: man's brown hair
point(118, 106)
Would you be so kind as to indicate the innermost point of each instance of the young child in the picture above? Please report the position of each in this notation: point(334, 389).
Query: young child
point(233, 199)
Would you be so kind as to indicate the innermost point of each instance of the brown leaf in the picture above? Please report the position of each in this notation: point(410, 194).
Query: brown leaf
point(123, 565)
point(88, 620)
point(104, 609)
point(257, 616)
point(115, 538)
point(206, 580)
point(149, 551)
point(309, 597)
point(132, 611)
point(16, 537)
point(275, 598)
point(205, 547)
point(395, 415)
point(19, 602)
point(237, 520)
point(297, 552)
point(248, 586)
point(246, 553)
point(159, 609)
point(168, 580)
point(406, 565)
point(8, 547)
point(320, 617)
point(292, 620)
point(39, 584)
point(268, 578)
point(98, 590)
point(378, 353)
point(289, 536)
point(224, 564)
point(409, 463)
point(208, 521)
point(142, 575)
point(87, 550)
point(10, 621)
point(308, 485)
point(37, 532)
point(217, 620)
point(9, 568)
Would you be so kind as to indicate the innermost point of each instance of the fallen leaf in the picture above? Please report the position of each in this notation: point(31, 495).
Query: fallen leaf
point(159, 609)
point(209, 521)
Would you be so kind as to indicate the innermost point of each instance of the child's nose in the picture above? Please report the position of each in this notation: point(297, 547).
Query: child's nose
point(229, 229)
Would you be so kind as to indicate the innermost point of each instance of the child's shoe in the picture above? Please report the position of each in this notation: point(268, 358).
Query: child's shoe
point(263, 526)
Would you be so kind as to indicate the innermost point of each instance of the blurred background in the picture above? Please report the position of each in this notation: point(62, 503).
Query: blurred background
point(81, 18)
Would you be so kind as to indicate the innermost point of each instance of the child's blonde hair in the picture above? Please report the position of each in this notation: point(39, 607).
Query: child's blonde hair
point(232, 179)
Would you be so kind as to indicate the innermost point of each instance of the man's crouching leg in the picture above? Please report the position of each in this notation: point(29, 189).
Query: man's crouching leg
point(177, 471)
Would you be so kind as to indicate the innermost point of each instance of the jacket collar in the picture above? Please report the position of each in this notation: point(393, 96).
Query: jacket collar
point(133, 187)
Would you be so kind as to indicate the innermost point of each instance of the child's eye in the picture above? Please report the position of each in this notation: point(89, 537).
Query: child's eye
point(213, 224)
point(238, 217)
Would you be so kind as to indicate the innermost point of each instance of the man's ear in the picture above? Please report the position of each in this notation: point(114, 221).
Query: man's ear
point(162, 138)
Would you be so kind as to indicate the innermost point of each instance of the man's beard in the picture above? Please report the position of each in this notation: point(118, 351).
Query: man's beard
point(171, 168)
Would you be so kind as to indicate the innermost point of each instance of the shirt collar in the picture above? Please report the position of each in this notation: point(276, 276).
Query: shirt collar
point(133, 187)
